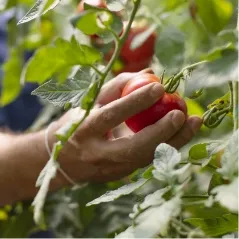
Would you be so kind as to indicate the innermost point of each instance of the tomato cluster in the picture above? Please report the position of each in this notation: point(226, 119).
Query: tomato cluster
point(165, 104)
point(130, 60)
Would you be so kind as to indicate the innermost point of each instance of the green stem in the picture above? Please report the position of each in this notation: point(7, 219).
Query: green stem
point(182, 225)
point(107, 69)
point(235, 105)
point(178, 76)
point(120, 43)
point(97, 70)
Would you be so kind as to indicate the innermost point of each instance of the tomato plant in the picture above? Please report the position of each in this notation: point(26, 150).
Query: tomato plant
point(167, 103)
point(186, 193)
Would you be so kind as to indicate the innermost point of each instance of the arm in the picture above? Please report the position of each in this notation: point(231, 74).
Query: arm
point(89, 156)
point(22, 157)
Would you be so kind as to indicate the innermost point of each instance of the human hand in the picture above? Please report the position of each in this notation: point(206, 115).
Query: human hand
point(90, 156)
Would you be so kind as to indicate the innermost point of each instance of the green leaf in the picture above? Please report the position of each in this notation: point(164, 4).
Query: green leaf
point(216, 226)
point(214, 11)
point(229, 161)
point(43, 181)
point(170, 49)
point(48, 60)
point(112, 195)
point(151, 200)
point(203, 152)
point(40, 7)
point(71, 91)
point(155, 220)
point(11, 78)
point(115, 5)
point(227, 195)
point(216, 180)
point(166, 158)
point(88, 23)
point(214, 73)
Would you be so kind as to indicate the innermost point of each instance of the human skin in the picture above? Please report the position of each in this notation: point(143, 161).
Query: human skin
point(89, 155)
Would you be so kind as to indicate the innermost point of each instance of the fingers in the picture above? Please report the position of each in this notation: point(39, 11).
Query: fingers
point(113, 89)
point(141, 146)
point(186, 133)
point(118, 111)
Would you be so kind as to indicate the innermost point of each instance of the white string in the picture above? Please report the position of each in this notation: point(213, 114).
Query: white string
point(64, 174)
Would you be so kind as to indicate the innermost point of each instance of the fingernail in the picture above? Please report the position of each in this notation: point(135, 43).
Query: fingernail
point(178, 118)
point(157, 90)
point(195, 123)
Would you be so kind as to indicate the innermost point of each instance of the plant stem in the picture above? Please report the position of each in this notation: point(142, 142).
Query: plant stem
point(235, 105)
point(97, 70)
point(178, 76)
point(199, 164)
point(182, 225)
point(119, 44)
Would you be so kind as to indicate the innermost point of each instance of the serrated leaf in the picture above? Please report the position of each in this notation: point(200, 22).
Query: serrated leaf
point(112, 195)
point(71, 91)
point(214, 73)
point(140, 38)
point(155, 220)
point(166, 158)
point(115, 5)
point(229, 160)
point(227, 195)
point(43, 181)
point(48, 60)
point(11, 78)
point(40, 7)
point(216, 226)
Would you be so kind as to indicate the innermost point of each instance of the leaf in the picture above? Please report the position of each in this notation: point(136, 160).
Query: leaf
point(43, 181)
point(227, 195)
point(229, 160)
point(128, 233)
point(140, 38)
point(48, 60)
point(11, 78)
point(115, 5)
point(71, 91)
point(170, 49)
point(112, 195)
point(216, 180)
point(203, 152)
point(154, 199)
point(214, 73)
point(40, 7)
point(216, 226)
point(211, 11)
point(165, 160)
point(155, 220)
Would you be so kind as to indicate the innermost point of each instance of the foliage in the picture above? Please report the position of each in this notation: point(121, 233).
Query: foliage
point(188, 193)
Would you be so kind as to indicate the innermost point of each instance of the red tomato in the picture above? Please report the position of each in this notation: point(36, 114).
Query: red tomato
point(137, 59)
point(165, 104)
point(95, 3)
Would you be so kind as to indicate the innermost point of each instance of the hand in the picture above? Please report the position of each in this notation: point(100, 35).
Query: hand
point(90, 156)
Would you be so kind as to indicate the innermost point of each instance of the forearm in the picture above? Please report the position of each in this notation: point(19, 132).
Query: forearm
point(22, 157)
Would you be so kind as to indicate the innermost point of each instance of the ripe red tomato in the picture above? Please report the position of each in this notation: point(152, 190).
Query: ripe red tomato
point(165, 104)
point(137, 59)
point(95, 3)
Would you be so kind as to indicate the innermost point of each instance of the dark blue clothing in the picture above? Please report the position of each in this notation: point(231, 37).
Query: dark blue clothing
point(20, 114)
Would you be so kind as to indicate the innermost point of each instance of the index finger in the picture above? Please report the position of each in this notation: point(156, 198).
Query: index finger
point(112, 90)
